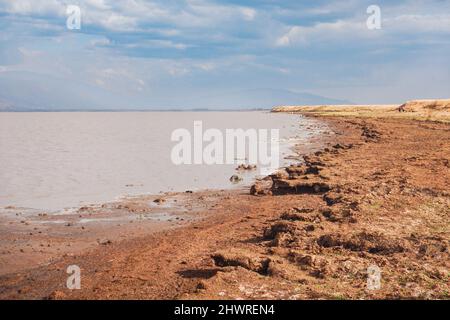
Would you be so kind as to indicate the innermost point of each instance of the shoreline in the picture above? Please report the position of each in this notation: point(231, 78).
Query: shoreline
point(34, 237)
point(32, 188)
point(294, 245)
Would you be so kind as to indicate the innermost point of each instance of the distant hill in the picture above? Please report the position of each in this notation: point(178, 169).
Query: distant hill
point(26, 91)
point(264, 98)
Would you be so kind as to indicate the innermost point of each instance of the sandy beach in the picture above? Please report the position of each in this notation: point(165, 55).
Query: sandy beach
point(374, 191)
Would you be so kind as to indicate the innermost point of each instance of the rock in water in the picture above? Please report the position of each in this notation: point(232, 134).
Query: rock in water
point(159, 200)
point(235, 178)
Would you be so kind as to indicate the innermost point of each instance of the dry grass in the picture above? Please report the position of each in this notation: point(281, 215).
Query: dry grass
point(424, 110)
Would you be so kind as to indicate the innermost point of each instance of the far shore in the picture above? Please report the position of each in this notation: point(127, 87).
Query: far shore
point(373, 193)
point(424, 110)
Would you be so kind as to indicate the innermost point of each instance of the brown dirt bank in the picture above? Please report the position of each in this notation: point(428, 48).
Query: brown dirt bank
point(378, 195)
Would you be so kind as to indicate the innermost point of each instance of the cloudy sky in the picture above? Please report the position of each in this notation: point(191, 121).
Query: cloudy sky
point(200, 53)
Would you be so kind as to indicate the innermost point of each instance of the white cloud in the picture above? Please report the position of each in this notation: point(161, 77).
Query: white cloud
point(113, 77)
point(6, 68)
point(99, 4)
point(248, 13)
point(207, 66)
point(393, 26)
point(29, 53)
point(284, 40)
point(158, 44)
point(114, 21)
point(333, 31)
point(177, 69)
point(38, 7)
point(413, 23)
point(100, 42)
point(133, 15)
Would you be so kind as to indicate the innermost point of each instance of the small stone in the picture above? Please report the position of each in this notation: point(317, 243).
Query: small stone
point(104, 242)
point(235, 178)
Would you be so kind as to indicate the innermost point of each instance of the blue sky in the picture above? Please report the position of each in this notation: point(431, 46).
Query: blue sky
point(199, 53)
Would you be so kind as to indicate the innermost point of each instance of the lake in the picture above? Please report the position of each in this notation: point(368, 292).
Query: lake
point(55, 160)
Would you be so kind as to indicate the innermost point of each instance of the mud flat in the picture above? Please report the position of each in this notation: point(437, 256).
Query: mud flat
point(375, 193)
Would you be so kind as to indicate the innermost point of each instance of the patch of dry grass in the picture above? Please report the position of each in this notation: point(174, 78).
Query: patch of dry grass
point(422, 110)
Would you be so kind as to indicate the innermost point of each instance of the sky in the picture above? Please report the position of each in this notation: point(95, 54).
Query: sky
point(162, 54)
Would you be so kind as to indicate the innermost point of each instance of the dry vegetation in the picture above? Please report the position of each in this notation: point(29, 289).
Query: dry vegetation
point(428, 110)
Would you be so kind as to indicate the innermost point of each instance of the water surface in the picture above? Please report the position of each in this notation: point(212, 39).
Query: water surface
point(58, 160)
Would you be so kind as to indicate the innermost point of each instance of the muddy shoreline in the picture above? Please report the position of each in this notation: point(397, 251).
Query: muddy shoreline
point(32, 237)
point(382, 199)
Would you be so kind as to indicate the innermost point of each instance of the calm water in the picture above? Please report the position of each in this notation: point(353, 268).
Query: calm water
point(59, 160)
